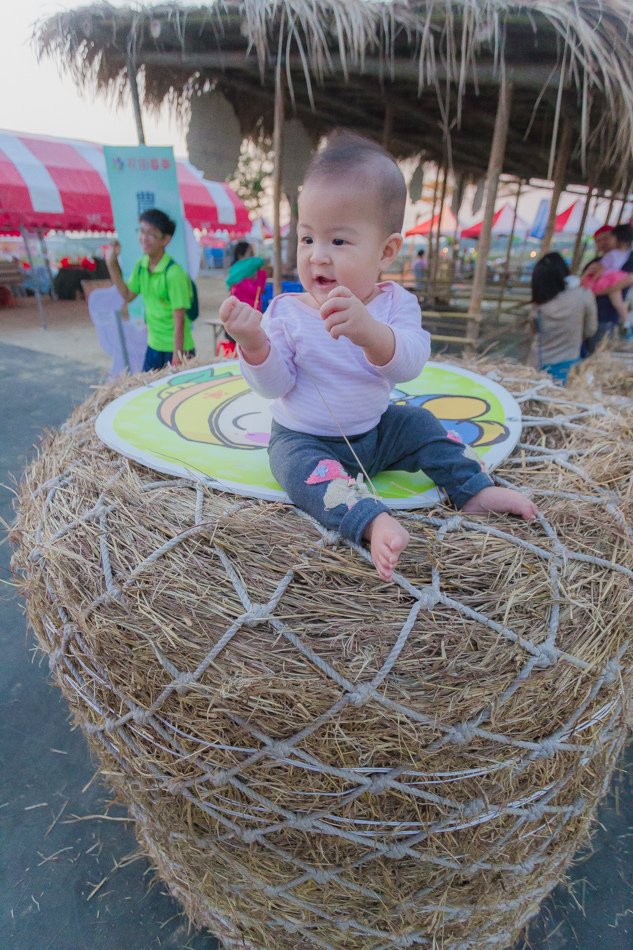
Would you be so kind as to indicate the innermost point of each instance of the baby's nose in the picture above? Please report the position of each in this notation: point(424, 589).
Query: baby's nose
point(320, 253)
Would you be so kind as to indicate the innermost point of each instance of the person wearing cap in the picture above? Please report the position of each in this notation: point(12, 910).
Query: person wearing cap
point(607, 238)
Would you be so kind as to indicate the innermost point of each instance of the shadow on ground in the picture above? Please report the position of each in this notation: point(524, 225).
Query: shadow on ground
point(73, 878)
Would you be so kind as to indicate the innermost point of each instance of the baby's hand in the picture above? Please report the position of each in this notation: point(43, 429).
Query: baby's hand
point(346, 315)
point(244, 325)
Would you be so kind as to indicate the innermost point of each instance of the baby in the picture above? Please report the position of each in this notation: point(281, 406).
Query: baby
point(329, 358)
point(606, 275)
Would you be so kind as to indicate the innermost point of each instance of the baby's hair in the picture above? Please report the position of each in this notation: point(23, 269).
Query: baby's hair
point(348, 156)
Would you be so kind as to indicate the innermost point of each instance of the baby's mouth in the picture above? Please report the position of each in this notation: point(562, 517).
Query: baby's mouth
point(321, 281)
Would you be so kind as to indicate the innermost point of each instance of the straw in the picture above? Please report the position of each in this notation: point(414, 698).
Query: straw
point(317, 759)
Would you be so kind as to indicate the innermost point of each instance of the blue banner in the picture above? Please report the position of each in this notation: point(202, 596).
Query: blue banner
point(540, 221)
point(142, 177)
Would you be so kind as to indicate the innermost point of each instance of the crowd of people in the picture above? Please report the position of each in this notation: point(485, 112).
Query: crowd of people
point(571, 315)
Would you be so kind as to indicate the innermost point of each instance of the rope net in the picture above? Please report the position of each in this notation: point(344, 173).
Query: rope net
point(315, 758)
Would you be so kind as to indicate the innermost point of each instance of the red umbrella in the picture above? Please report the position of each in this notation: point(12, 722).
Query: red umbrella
point(48, 183)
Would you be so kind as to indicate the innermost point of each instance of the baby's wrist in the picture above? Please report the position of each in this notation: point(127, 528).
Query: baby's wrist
point(255, 352)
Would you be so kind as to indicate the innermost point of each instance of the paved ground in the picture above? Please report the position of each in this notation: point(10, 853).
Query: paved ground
point(72, 879)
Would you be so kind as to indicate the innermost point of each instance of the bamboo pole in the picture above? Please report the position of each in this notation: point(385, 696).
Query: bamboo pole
point(579, 245)
point(625, 199)
point(387, 129)
point(136, 102)
point(610, 209)
point(559, 179)
point(435, 191)
point(495, 163)
point(278, 133)
point(506, 267)
point(436, 254)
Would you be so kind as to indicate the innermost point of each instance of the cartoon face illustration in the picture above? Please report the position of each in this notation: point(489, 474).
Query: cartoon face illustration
point(460, 416)
point(219, 411)
point(206, 423)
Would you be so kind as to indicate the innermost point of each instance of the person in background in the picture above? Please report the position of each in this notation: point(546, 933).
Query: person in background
point(245, 281)
point(563, 315)
point(165, 287)
point(606, 240)
point(419, 270)
point(246, 277)
point(605, 276)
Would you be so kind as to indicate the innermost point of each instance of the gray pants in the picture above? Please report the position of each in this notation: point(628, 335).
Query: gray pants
point(316, 471)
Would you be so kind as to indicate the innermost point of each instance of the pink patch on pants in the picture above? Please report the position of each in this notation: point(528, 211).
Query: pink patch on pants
point(326, 471)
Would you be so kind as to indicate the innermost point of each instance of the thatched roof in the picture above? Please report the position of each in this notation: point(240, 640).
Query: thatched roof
point(433, 66)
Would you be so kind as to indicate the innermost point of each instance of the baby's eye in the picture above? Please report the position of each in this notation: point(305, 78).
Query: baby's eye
point(306, 239)
point(338, 242)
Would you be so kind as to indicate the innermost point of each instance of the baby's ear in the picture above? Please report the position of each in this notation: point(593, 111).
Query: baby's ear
point(391, 248)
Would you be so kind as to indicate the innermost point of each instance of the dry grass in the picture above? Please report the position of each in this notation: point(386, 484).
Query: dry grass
point(476, 755)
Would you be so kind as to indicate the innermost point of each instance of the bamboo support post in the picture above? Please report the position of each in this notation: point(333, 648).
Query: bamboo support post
point(437, 237)
point(136, 102)
point(559, 180)
point(430, 235)
point(387, 129)
point(278, 132)
point(610, 208)
point(506, 267)
point(495, 162)
point(579, 245)
point(625, 199)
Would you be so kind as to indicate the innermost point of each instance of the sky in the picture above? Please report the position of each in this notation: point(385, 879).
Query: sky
point(38, 100)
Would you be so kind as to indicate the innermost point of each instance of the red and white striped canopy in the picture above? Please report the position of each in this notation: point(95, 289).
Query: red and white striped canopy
point(49, 183)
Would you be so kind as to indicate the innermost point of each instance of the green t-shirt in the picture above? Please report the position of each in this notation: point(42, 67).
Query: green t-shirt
point(163, 291)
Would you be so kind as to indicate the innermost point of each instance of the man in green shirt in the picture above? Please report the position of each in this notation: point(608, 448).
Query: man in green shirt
point(165, 288)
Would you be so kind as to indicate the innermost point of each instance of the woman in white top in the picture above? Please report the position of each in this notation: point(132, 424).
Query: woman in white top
point(563, 313)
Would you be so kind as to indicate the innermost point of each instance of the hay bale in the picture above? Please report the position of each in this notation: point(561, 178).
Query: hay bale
point(317, 759)
point(609, 371)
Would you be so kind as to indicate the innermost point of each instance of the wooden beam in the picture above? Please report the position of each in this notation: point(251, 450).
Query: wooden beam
point(559, 179)
point(136, 102)
point(278, 144)
point(578, 246)
point(495, 163)
point(436, 252)
point(527, 75)
point(506, 271)
point(387, 129)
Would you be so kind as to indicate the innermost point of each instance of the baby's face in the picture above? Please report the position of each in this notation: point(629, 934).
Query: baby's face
point(340, 240)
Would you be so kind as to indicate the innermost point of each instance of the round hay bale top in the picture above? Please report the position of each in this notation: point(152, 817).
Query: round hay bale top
point(315, 758)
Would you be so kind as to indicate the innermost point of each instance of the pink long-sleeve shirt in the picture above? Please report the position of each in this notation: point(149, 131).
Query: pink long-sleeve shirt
point(324, 386)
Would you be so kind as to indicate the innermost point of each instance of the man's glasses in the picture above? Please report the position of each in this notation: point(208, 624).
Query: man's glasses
point(154, 235)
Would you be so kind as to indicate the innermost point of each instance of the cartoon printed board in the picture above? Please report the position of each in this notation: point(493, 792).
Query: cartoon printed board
point(207, 423)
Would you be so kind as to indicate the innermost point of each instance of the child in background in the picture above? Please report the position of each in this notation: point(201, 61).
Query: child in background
point(329, 357)
point(246, 277)
point(245, 280)
point(606, 275)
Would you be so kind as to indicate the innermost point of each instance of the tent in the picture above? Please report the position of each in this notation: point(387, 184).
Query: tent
point(48, 183)
point(567, 222)
point(501, 225)
point(448, 225)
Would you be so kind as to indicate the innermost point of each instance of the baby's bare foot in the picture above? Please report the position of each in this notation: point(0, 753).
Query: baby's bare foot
point(387, 539)
point(502, 501)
